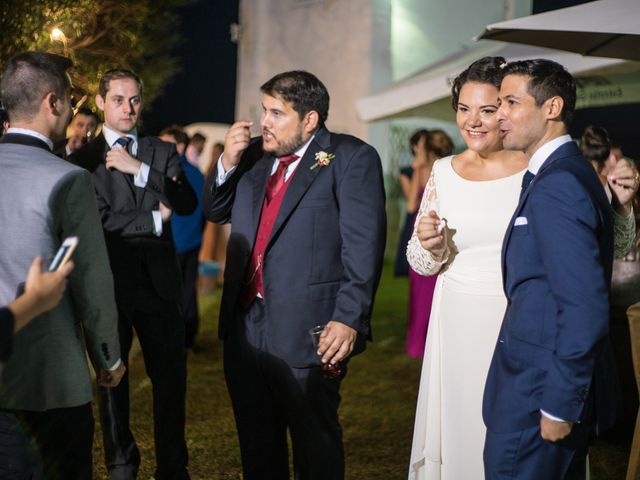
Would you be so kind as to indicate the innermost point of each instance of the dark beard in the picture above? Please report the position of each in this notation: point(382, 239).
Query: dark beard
point(290, 146)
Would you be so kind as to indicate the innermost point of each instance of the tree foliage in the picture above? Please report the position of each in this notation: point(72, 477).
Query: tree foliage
point(98, 35)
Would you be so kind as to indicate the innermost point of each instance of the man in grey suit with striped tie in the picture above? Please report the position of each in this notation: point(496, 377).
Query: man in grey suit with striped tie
point(46, 420)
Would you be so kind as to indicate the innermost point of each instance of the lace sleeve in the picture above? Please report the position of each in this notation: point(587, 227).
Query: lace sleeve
point(421, 260)
point(624, 234)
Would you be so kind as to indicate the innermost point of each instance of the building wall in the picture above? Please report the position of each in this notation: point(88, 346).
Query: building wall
point(334, 39)
point(425, 31)
point(355, 47)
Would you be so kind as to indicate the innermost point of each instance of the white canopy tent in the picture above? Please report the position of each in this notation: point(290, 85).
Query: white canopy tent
point(427, 93)
point(604, 28)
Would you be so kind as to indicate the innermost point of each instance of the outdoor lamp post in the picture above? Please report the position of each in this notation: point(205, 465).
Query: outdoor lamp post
point(58, 35)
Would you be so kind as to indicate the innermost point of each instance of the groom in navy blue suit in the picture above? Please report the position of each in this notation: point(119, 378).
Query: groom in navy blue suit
point(549, 385)
point(307, 209)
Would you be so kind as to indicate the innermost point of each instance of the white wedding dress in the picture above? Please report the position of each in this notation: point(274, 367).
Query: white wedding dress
point(467, 311)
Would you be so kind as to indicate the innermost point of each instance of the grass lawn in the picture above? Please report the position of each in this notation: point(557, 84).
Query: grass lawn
point(377, 410)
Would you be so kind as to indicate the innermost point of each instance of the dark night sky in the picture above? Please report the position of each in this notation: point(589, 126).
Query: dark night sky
point(204, 91)
point(540, 6)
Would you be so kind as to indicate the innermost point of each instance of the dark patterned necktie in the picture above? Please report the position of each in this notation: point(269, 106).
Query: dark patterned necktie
point(276, 181)
point(123, 142)
point(526, 180)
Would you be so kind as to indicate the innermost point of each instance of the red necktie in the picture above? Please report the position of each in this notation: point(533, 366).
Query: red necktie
point(276, 181)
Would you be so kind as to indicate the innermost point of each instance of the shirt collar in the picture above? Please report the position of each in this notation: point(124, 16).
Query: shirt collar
point(32, 133)
point(303, 149)
point(111, 136)
point(540, 156)
point(300, 153)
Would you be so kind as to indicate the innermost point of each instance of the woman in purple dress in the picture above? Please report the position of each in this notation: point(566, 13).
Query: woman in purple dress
point(436, 144)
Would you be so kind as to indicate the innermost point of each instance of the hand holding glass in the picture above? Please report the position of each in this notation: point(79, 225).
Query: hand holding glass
point(329, 370)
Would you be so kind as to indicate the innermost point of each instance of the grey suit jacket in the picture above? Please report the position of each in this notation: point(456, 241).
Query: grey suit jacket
point(44, 199)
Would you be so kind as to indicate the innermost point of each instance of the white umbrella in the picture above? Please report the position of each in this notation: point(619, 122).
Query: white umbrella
point(428, 92)
point(603, 28)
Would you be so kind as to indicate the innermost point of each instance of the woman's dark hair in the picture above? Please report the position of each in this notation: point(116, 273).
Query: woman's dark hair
point(415, 138)
point(595, 145)
point(439, 143)
point(486, 70)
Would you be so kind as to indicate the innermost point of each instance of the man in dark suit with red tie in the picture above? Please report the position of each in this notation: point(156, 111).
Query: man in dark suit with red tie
point(307, 209)
point(139, 183)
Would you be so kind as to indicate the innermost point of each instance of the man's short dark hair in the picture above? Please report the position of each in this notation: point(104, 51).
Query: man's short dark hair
point(28, 77)
point(178, 134)
point(87, 112)
point(303, 90)
point(198, 139)
point(117, 74)
point(547, 79)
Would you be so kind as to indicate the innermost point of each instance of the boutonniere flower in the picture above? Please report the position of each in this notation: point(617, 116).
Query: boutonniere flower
point(323, 159)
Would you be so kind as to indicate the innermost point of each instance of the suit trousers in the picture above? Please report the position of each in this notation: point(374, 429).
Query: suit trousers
point(524, 455)
point(53, 445)
point(160, 330)
point(188, 262)
point(269, 396)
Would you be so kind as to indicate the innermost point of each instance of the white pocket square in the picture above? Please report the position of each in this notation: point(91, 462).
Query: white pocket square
point(520, 221)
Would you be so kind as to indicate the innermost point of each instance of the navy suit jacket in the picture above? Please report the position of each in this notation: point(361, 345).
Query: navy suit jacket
point(553, 346)
point(324, 257)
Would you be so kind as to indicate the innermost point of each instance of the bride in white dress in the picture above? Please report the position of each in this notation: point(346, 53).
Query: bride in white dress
point(476, 192)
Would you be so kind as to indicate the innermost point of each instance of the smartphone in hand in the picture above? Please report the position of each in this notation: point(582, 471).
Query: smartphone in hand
point(62, 256)
point(64, 253)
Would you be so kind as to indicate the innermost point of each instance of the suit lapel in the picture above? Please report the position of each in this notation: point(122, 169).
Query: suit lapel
point(564, 150)
point(261, 173)
point(507, 237)
point(302, 179)
point(145, 155)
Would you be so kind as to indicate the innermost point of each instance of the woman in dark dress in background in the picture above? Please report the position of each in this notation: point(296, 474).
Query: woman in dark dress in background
point(401, 268)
